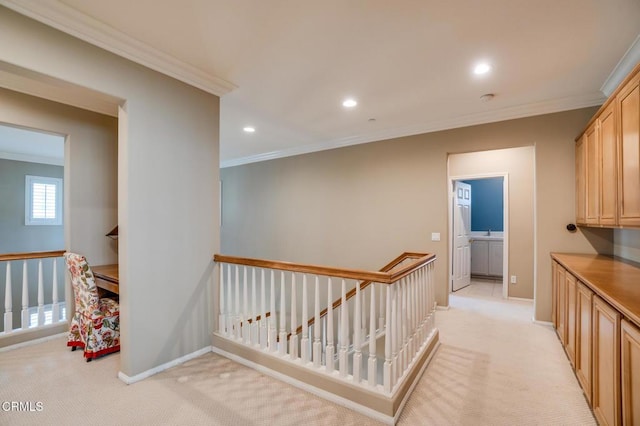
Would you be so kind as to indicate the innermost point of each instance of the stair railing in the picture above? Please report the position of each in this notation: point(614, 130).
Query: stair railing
point(41, 310)
point(264, 304)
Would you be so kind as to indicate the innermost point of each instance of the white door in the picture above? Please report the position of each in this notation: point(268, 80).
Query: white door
point(461, 276)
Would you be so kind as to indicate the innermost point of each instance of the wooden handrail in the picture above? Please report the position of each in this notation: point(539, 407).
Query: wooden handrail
point(354, 274)
point(384, 276)
point(31, 255)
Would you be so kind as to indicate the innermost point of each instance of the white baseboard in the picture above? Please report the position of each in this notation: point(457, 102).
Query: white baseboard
point(308, 388)
point(522, 299)
point(141, 376)
point(535, 321)
point(32, 342)
point(442, 308)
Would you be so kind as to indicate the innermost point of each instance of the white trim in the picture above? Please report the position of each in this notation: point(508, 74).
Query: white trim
point(520, 299)
point(66, 19)
point(309, 388)
point(511, 113)
point(535, 321)
point(34, 341)
point(54, 161)
point(442, 308)
point(167, 365)
point(628, 61)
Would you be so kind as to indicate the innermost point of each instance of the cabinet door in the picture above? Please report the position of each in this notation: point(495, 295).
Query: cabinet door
point(628, 101)
point(606, 363)
point(608, 162)
point(581, 186)
point(562, 307)
point(495, 258)
point(630, 349)
point(583, 338)
point(570, 342)
point(479, 257)
point(593, 176)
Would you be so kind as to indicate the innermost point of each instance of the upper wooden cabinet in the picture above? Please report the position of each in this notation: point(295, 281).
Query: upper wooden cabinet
point(608, 151)
point(592, 148)
point(628, 102)
point(608, 161)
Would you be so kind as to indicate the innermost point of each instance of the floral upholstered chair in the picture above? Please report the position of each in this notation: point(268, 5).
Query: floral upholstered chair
point(95, 325)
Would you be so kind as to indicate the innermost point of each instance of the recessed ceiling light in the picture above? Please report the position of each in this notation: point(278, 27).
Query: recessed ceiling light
point(249, 129)
point(482, 68)
point(349, 103)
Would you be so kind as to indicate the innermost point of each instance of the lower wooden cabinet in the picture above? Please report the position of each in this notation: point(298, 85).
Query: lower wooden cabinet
point(630, 352)
point(584, 324)
point(605, 400)
point(561, 305)
point(570, 342)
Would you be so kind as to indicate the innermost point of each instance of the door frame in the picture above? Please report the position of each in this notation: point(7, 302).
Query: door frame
point(505, 220)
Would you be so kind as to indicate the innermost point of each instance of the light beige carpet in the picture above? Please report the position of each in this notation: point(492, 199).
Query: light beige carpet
point(494, 367)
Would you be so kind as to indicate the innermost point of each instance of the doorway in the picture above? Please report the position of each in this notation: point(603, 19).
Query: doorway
point(479, 215)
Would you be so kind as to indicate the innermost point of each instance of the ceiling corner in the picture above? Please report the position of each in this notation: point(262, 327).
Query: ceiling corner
point(66, 19)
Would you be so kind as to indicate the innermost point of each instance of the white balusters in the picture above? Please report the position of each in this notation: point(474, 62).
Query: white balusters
point(381, 311)
point(237, 321)
point(25, 296)
point(330, 350)
point(293, 341)
point(304, 351)
point(273, 317)
point(344, 332)
point(8, 302)
point(222, 328)
point(254, 309)
point(401, 311)
point(388, 344)
point(373, 362)
point(40, 294)
point(317, 344)
point(229, 316)
point(357, 331)
point(283, 320)
point(246, 325)
point(263, 311)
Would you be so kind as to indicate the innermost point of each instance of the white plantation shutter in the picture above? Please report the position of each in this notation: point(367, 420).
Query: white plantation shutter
point(43, 201)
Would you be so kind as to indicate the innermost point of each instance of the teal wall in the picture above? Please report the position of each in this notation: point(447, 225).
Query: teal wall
point(487, 204)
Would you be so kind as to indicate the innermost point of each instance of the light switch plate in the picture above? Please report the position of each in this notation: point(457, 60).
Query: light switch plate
point(435, 236)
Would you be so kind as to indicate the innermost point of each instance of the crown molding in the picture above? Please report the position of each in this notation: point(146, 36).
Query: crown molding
point(521, 111)
point(629, 60)
point(28, 158)
point(66, 19)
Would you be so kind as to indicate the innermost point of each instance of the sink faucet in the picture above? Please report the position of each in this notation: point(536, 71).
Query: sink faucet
point(489, 232)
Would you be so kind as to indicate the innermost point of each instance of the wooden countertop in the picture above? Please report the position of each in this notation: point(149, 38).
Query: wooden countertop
point(615, 280)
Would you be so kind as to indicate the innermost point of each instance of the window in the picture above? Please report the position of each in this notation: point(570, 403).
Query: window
point(43, 201)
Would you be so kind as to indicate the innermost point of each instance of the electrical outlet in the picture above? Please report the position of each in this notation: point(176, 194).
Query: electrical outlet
point(435, 236)
point(513, 279)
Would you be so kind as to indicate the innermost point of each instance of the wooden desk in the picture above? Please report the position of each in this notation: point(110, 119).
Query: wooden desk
point(106, 277)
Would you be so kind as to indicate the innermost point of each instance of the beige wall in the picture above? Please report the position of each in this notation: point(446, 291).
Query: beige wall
point(91, 154)
point(362, 205)
point(518, 164)
point(168, 156)
point(627, 244)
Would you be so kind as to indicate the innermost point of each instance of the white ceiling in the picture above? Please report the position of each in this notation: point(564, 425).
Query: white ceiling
point(29, 145)
point(287, 65)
